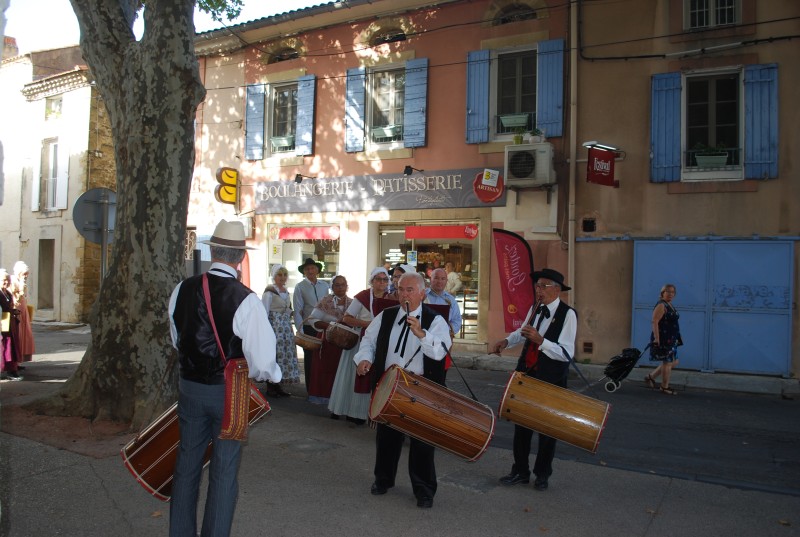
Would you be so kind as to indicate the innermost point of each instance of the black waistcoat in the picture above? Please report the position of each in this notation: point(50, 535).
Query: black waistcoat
point(431, 369)
point(547, 369)
point(197, 347)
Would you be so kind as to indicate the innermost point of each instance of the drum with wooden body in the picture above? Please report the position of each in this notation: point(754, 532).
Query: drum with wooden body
point(554, 411)
point(342, 335)
point(431, 413)
point(309, 343)
point(151, 456)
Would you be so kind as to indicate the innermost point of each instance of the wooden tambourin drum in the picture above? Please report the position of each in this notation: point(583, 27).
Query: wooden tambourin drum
point(151, 456)
point(554, 411)
point(342, 335)
point(431, 413)
point(309, 343)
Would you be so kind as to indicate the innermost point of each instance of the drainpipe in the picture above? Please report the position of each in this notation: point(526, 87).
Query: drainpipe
point(573, 144)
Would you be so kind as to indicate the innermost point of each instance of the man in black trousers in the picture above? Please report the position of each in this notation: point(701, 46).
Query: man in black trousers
point(417, 342)
point(549, 336)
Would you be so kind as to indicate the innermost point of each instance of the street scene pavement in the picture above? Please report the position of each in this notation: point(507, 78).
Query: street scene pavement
point(718, 459)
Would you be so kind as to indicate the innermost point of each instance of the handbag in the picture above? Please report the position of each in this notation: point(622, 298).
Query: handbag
point(6, 322)
point(237, 386)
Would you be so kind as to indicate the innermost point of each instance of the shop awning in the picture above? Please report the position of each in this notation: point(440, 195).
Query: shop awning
point(315, 233)
point(466, 231)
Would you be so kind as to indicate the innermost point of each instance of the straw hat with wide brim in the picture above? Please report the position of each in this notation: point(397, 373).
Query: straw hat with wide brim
point(229, 235)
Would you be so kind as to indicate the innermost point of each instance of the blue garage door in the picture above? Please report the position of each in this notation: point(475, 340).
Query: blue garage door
point(733, 298)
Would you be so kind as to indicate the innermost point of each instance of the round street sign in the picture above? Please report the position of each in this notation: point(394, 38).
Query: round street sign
point(95, 213)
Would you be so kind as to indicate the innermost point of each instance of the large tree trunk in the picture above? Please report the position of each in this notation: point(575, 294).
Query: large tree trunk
point(151, 90)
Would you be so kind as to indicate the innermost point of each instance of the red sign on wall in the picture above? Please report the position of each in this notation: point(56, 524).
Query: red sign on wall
point(600, 168)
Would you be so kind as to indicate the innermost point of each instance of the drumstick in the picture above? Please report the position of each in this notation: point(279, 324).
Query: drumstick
point(408, 312)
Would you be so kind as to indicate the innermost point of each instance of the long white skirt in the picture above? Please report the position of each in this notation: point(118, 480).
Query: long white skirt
point(344, 401)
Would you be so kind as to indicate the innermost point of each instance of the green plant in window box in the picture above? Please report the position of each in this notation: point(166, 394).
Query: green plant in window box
point(537, 136)
point(710, 156)
point(518, 134)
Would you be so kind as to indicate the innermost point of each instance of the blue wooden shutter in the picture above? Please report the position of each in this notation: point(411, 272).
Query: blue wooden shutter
point(550, 88)
point(304, 127)
point(478, 96)
point(416, 103)
point(254, 123)
point(354, 109)
point(665, 128)
point(761, 121)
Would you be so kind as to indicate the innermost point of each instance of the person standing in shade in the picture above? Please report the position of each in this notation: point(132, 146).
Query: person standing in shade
point(664, 339)
point(436, 294)
point(545, 356)
point(279, 310)
point(329, 310)
point(395, 275)
point(417, 342)
point(243, 330)
point(307, 294)
point(20, 291)
point(12, 354)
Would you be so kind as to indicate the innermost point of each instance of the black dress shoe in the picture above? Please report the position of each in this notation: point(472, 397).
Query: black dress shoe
point(515, 479)
point(377, 489)
point(334, 416)
point(425, 502)
point(540, 483)
point(357, 421)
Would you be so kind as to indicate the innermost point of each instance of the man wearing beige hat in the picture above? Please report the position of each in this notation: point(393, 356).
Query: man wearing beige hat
point(241, 328)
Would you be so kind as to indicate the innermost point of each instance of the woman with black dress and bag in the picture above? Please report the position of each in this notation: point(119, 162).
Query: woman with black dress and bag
point(664, 340)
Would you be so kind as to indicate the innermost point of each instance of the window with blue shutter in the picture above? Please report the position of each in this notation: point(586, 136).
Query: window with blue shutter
point(478, 96)
point(550, 88)
point(761, 121)
point(354, 109)
point(304, 130)
point(254, 123)
point(665, 128)
point(416, 102)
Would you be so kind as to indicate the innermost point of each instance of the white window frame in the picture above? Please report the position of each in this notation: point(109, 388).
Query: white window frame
point(712, 14)
point(733, 172)
point(270, 96)
point(368, 105)
point(494, 88)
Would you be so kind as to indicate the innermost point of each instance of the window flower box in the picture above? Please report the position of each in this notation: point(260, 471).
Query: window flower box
point(510, 121)
point(711, 161)
point(282, 143)
point(388, 131)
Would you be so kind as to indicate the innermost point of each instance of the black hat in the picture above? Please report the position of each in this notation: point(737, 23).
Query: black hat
point(551, 274)
point(308, 262)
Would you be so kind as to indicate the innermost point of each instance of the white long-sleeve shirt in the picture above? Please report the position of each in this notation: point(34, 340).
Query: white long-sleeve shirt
point(430, 345)
point(551, 348)
point(250, 323)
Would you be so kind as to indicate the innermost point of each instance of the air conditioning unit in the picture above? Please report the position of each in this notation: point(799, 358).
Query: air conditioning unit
point(529, 165)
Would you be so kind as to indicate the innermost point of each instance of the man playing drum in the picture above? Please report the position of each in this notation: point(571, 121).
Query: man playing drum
point(415, 338)
point(545, 356)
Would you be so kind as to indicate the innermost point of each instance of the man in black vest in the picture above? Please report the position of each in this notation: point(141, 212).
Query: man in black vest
point(417, 342)
point(244, 330)
point(545, 356)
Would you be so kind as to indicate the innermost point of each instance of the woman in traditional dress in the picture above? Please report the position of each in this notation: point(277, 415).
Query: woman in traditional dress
point(664, 340)
point(10, 330)
point(329, 309)
point(350, 397)
point(20, 291)
point(279, 310)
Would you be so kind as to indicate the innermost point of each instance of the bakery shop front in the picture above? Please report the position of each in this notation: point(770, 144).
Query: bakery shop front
point(354, 223)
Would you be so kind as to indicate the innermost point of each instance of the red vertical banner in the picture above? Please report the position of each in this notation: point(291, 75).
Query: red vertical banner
point(515, 265)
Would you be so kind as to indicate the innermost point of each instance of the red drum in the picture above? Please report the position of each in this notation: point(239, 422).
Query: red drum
point(343, 336)
point(431, 413)
point(150, 456)
point(309, 343)
point(554, 411)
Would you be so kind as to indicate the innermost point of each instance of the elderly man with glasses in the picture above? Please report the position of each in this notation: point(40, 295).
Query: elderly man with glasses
point(549, 336)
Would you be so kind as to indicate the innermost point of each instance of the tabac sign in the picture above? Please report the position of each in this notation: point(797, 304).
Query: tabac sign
point(440, 189)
